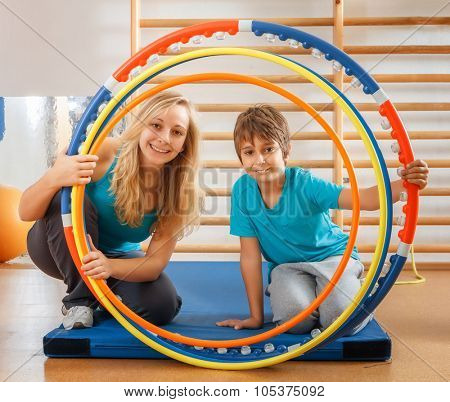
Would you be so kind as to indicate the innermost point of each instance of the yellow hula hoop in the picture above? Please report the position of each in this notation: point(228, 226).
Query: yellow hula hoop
point(82, 247)
point(260, 337)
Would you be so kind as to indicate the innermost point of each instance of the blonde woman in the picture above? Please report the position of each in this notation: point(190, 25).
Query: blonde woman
point(141, 184)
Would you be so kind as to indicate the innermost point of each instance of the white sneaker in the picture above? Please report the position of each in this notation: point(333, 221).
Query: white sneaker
point(78, 317)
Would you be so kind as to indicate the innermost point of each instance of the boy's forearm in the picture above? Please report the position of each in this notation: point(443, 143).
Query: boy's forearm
point(370, 200)
point(397, 188)
point(252, 275)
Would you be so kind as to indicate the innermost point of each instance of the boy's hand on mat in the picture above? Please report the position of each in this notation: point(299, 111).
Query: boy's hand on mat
point(95, 264)
point(70, 170)
point(249, 323)
point(416, 172)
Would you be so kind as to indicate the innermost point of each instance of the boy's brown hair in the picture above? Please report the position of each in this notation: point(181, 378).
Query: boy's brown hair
point(265, 122)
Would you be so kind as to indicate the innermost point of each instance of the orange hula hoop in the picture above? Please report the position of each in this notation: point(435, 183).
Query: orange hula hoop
point(345, 258)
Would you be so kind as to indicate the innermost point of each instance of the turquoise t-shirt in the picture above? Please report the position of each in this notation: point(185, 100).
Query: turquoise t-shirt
point(114, 236)
point(299, 227)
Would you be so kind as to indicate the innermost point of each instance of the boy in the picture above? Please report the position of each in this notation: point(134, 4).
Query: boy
point(283, 213)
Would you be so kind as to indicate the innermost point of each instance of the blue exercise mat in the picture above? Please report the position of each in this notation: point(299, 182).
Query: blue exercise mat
point(211, 292)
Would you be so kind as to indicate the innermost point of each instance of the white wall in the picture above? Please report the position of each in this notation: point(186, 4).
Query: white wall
point(51, 47)
point(54, 48)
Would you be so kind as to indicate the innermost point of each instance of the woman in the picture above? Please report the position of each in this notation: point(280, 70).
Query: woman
point(143, 183)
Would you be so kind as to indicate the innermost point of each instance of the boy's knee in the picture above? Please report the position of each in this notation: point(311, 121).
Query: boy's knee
point(326, 321)
point(304, 327)
point(280, 287)
point(328, 316)
point(281, 272)
point(285, 314)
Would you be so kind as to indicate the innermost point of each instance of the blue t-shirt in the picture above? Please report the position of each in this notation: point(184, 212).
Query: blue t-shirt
point(114, 236)
point(299, 227)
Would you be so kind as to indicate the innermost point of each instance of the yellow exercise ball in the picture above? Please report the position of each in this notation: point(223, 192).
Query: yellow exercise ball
point(13, 231)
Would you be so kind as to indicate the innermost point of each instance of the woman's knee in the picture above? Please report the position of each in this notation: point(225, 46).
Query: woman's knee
point(167, 303)
point(156, 302)
point(39, 252)
point(166, 312)
point(161, 311)
point(54, 208)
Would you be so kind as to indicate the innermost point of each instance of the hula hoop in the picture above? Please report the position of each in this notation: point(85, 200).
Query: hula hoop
point(78, 199)
point(137, 82)
point(294, 38)
point(386, 109)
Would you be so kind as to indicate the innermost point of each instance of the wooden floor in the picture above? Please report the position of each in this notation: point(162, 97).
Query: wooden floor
point(416, 317)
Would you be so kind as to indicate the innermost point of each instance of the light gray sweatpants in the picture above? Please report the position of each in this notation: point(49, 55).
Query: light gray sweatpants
point(294, 286)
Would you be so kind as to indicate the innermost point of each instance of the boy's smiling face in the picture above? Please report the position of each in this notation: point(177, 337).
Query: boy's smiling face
point(263, 159)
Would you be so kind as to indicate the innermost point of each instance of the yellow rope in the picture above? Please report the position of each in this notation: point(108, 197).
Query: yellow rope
point(419, 278)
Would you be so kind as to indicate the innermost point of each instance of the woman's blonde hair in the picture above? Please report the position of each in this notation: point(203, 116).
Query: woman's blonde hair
point(178, 197)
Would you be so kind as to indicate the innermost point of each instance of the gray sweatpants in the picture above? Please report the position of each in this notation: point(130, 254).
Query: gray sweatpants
point(294, 286)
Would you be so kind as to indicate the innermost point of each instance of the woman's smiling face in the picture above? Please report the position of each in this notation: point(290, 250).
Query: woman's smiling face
point(163, 137)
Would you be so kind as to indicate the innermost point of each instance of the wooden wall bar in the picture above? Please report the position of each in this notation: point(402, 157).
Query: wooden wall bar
point(135, 24)
point(321, 164)
point(338, 115)
point(307, 22)
point(402, 49)
point(362, 248)
point(428, 192)
point(364, 220)
point(379, 135)
point(328, 107)
point(338, 23)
